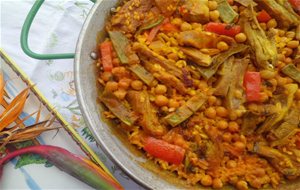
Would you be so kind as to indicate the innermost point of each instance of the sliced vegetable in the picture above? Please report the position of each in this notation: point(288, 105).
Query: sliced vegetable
point(197, 56)
point(249, 124)
point(264, 48)
point(170, 81)
point(155, 30)
point(78, 167)
point(195, 11)
point(142, 73)
point(246, 3)
point(161, 149)
point(263, 16)
point(201, 40)
point(187, 110)
point(277, 159)
point(150, 24)
point(283, 132)
point(239, 68)
point(167, 7)
point(118, 108)
point(180, 115)
point(148, 118)
point(279, 10)
point(252, 83)
point(167, 64)
point(106, 56)
point(227, 14)
point(223, 29)
point(121, 44)
point(218, 60)
point(292, 71)
point(196, 102)
point(223, 84)
point(284, 102)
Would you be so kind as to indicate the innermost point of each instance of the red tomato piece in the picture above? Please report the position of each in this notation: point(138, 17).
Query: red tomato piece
point(161, 149)
point(263, 16)
point(106, 56)
point(252, 83)
point(295, 4)
point(223, 29)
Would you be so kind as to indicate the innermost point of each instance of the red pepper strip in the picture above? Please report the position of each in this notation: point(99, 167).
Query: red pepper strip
point(106, 56)
point(68, 162)
point(155, 30)
point(163, 150)
point(252, 83)
point(223, 29)
point(168, 27)
point(295, 4)
point(263, 16)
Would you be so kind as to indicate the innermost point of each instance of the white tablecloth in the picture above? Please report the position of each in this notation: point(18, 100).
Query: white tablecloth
point(55, 30)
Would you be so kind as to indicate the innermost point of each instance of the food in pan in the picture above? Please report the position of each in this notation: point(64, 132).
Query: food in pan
point(207, 89)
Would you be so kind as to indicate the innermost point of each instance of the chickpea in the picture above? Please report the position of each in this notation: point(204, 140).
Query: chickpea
point(290, 34)
point(222, 46)
point(272, 23)
point(173, 56)
point(218, 102)
point(160, 89)
point(124, 83)
point(227, 137)
point(111, 86)
point(242, 185)
point(116, 62)
point(281, 81)
point(217, 183)
point(281, 57)
point(177, 21)
point(206, 180)
point(233, 126)
point(120, 94)
point(240, 145)
point(233, 116)
point(222, 124)
point(186, 26)
point(212, 5)
point(222, 112)
point(263, 25)
point(231, 164)
point(173, 103)
point(288, 60)
point(267, 74)
point(263, 97)
point(211, 112)
point(214, 15)
point(202, 85)
point(241, 37)
point(197, 26)
point(212, 100)
point(137, 85)
point(161, 100)
point(293, 44)
point(259, 172)
point(106, 76)
point(287, 51)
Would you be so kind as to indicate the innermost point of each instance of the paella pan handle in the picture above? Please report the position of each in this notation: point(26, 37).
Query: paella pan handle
point(25, 32)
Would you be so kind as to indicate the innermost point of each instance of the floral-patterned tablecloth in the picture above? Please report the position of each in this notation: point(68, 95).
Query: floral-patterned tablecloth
point(55, 30)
